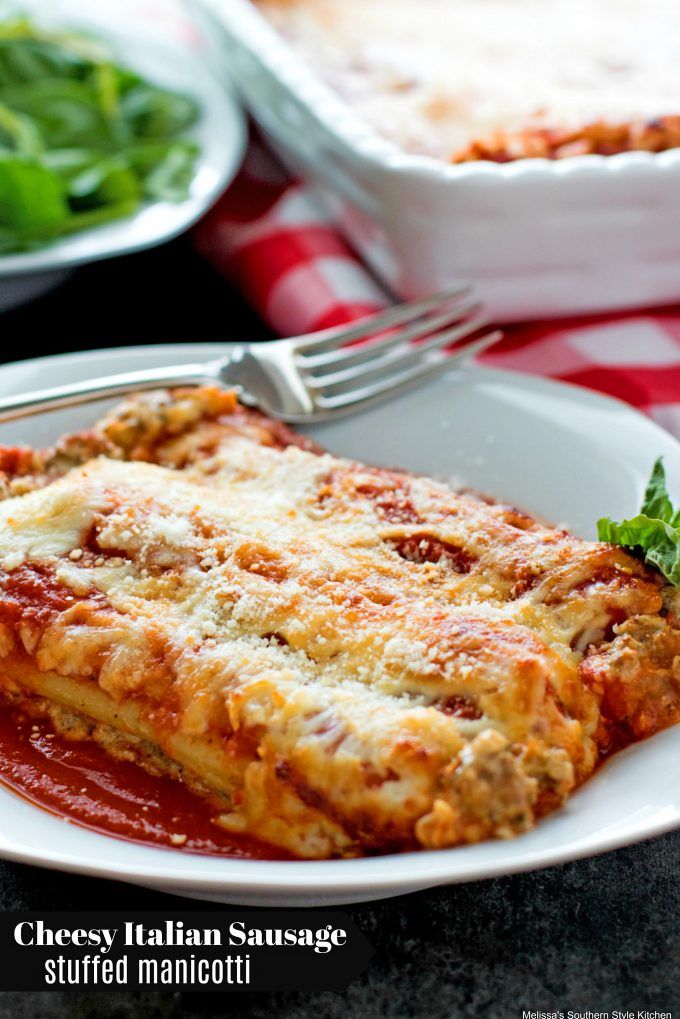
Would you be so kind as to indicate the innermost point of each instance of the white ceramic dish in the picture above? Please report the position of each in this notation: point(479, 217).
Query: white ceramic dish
point(563, 452)
point(220, 133)
point(537, 238)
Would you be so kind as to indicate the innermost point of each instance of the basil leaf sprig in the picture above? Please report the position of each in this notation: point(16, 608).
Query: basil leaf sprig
point(83, 141)
point(655, 530)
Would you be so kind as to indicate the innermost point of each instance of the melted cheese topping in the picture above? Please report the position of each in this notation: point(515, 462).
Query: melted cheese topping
point(355, 658)
point(467, 79)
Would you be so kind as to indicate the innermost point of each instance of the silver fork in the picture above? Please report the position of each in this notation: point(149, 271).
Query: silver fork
point(312, 377)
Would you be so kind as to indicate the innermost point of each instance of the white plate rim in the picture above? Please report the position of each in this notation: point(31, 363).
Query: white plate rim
point(186, 873)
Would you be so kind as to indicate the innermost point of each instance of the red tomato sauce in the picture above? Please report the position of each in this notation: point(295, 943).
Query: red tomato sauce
point(78, 780)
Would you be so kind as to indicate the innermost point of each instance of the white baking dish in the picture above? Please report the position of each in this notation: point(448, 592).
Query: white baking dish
point(537, 238)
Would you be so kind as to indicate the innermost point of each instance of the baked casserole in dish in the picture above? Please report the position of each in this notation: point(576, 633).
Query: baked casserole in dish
point(499, 79)
point(347, 659)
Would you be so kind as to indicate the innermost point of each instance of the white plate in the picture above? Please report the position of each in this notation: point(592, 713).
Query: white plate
point(565, 453)
point(220, 133)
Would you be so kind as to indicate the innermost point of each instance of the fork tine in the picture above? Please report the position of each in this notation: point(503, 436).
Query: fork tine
point(338, 357)
point(394, 316)
point(405, 379)
point(399, 358)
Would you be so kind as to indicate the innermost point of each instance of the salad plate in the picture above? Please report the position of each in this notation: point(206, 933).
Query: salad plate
point(178, 62)
point(566, 454)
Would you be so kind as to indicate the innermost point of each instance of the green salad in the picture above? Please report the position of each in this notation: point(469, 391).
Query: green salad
point(655, 531)
point(83, 141)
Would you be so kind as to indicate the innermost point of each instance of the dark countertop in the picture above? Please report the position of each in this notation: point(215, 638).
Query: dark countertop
point(600, 934)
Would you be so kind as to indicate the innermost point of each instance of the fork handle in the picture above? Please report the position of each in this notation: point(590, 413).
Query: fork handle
point(89, 390)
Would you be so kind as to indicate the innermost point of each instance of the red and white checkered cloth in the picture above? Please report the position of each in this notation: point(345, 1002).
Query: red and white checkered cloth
point(270, 237)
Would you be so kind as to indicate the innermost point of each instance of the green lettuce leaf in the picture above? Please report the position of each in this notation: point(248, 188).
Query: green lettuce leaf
point(655, 530)
point(657, 502)
point(31, 196)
